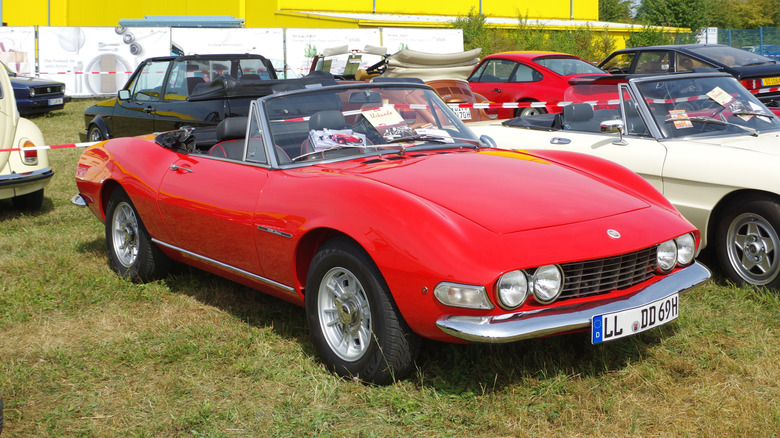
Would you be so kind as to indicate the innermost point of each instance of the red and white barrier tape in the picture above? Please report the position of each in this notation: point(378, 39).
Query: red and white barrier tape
point(57, 146)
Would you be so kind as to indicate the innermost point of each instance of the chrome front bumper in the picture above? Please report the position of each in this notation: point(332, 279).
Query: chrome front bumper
point(565, 318)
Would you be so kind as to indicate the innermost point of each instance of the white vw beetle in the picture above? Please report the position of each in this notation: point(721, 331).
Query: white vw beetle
point(23, 173)
point(701, 139)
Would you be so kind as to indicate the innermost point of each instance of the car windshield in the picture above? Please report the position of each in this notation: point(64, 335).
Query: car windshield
point(705, 106)
point(565, 66)
point(732, 56)
point(334, 122)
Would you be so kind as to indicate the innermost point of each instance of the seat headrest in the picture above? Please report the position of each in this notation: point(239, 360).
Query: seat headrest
point(329, 119)
point(232, 128)
point(577, 112)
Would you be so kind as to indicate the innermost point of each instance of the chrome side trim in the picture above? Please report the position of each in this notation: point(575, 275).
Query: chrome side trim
point(276, 232)
point(226, 266)
point(565, 318)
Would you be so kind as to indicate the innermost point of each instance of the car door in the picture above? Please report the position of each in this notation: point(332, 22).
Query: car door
point(503, 80)
point(209, 204)
point(137, 104)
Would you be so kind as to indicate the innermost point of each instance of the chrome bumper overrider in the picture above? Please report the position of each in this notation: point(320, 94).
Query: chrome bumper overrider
point(565, 318)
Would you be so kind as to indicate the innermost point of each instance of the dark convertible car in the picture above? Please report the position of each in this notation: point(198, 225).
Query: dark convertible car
point(166, 93)
point(759, 74)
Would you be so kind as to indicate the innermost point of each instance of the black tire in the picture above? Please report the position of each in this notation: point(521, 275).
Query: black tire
point(131, 251)
point(95, 134)
point(747, 241)
point(29, 202)
point(529, 111)
point(359, 333)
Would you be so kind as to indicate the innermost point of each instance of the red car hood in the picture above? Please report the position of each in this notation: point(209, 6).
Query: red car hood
point(505, 191)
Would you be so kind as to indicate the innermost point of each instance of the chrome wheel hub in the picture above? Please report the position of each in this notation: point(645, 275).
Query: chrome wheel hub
point(124, 233)
point(345, 314)
point(752, 248)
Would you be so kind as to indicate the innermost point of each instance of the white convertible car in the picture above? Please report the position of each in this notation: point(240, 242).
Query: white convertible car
point(702, 139)
point(24, 172)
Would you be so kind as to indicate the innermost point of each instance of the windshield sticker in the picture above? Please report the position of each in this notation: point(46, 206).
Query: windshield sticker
point(718, 95)
point(388, 122)
point(727, 101)
point(680, 114)
point(326, 139)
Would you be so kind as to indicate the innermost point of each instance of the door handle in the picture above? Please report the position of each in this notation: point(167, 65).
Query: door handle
point(148, 110)
point(175, 167)
point(495, 90)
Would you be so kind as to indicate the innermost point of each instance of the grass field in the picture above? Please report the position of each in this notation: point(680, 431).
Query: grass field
point(83, 353)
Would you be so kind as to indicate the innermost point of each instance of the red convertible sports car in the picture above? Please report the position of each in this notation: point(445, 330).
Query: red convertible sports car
point(419, 231)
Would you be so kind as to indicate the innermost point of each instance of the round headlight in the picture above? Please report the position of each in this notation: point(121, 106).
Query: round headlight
point(32, 92)
point(686, 249)
point(667, 255)
point(547, 283)
point(512, 289)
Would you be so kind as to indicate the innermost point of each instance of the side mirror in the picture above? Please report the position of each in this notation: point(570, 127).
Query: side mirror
point(488, 141)
point(614, 127)
point(124, 94)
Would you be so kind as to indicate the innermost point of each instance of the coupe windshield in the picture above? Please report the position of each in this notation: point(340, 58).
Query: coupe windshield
point(705, 106)
point(344, 121)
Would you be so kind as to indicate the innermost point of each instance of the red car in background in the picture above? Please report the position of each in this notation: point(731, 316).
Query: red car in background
point(528, 77)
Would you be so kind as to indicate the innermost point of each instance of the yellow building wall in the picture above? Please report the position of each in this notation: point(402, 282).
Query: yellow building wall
point(535, 9)
point(263, 13)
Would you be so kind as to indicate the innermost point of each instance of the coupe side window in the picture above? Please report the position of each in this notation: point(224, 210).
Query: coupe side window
point(620, 63)
point(686, 63)
point(148, 84)
point(496, 70)
point(654, 62)
point(524, 73)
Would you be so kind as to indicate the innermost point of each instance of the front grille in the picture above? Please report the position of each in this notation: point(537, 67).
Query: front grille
point(599, 276)
point(47, 90)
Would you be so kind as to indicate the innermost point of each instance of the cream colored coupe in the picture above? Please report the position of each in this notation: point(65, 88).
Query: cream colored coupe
point(24, 172)
point(702, 139)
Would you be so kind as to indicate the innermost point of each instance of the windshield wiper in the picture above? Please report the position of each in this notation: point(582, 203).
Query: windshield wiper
point(420, 137)
point(700, 119)
point(714, 121)
point(753, 113)
point(334, 148)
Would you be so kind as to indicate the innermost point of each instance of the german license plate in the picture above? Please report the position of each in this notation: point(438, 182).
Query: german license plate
point(463, 113)
point(55, 101)
point(627, 322)
point(771, 81)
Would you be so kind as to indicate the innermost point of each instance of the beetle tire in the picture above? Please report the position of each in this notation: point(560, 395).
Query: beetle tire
point(357, 332)
point(748, 243)
point(131, 251)
point(30, 201)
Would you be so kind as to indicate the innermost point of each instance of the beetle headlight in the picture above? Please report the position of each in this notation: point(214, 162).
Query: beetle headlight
point(462, 295)
point(547, 283)
point(686, 249)
point(667, 256)
point(512, 289)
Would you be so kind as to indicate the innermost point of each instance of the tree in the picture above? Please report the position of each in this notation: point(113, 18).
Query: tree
point(618, 11)
point(674, 13)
